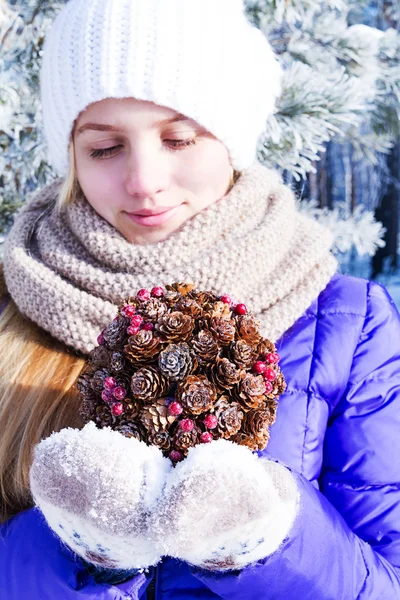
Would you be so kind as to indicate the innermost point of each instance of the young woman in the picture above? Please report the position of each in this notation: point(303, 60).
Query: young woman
point(152, 111)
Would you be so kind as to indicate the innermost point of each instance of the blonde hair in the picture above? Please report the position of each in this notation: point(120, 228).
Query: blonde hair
point(70, 188)
point(37, 397)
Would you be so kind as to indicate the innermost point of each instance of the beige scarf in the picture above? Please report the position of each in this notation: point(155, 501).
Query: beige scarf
point(68, 271)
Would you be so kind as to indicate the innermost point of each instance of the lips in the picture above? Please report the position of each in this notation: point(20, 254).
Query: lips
point(153, 218)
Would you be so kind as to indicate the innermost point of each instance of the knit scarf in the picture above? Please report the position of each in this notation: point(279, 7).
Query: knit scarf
point(68, 270)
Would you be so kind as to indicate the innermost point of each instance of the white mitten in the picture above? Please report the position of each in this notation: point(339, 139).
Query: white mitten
point(96, 489)
point(224, 508)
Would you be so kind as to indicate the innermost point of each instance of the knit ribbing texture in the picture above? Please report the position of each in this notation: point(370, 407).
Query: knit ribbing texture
point(67, 271)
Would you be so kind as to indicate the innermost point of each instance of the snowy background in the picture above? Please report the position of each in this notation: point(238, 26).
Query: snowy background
point(335, 136)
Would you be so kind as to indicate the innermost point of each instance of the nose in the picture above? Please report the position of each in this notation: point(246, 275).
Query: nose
point(147, 174)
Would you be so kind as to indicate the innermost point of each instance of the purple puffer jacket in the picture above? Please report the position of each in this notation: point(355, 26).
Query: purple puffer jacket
point(338, 429)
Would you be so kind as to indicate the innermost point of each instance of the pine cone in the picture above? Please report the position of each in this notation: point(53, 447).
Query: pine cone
point(196, 394)
point(161, 439)
point(189, 307)
point(243, 439)
point(175, 362)
point(243, 354)
point(175, 326)
point(265, 347)
point(99, 357)
point(219, 310)
point(148, 383)
point(248, 326)
point(183, 440)
point(171, 297)
point(143, 347)
point(205, 347)
point(84, 386)
point(223, 330)
point(279, 385)
point(182, 288)
point(229, 415)
point(224, 374)
point(104, 417)
point(115, 333)
point(250, 393)
point(155, 417)
point(256, 425)
point(132, 429)
point(152, 309)
point(97, 380)
point(117, 362)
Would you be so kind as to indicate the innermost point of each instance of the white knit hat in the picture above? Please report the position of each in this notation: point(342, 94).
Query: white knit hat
point(201, 58)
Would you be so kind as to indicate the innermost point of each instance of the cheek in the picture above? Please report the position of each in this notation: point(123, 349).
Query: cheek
point(99, 186)
point(207, 167)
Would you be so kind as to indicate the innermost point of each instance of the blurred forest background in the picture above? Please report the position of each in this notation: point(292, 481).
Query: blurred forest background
point(335, 136)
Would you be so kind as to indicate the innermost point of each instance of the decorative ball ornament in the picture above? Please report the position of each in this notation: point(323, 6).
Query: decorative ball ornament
point(179, 367)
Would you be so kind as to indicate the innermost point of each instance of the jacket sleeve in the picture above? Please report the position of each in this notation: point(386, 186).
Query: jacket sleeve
point(345, 543)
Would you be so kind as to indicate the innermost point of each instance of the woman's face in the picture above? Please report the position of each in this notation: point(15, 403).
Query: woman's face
point(147, 169)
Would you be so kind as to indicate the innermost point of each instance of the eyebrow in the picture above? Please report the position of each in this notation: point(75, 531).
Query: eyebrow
point(157, 124)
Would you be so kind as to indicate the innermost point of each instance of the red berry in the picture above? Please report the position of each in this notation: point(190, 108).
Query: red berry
point(269, 374)
point(175, 409)
point(143, 295)
point(100, 339)
point(117, 409)
point(186, 424)
point(148, 327)
point(119, 393)
point(268, 387)
point(157, 292)
point(132, 330)
point(109, 383)
point(273, 358)
point(129, 311)
point(175, 455)
point(206, 437)
point(226, 299)
point(260, 367)
point(106, 396)
point(210, 421)
point(241, 309)
point(136, 321)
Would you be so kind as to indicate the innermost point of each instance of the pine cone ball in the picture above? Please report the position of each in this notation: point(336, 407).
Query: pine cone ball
point(196, 394)
point(148, 384)
point(175, 362)
point(179, 366)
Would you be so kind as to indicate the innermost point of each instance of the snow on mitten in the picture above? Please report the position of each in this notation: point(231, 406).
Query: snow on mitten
point(96, 489)
point(224, 508)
